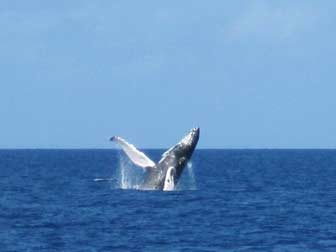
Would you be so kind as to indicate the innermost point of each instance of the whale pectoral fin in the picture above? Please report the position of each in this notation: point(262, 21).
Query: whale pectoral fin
point(137, 157)
point(169, 183)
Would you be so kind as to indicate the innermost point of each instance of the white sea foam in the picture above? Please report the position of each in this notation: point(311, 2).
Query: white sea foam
point(128, 176)
point(191, 174)
point(103, 179)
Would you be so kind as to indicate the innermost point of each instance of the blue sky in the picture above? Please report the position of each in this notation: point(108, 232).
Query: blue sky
point(251, 74)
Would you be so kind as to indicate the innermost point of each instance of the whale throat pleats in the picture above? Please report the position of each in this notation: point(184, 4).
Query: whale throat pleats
point(137, 157)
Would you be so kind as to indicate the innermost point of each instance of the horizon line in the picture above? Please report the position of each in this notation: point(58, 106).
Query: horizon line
point(163, 148)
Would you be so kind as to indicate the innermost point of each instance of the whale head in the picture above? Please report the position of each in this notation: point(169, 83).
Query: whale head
point(189, 142)
point(175, 159)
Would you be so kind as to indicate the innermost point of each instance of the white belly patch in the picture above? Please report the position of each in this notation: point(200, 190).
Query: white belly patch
point(169, 183)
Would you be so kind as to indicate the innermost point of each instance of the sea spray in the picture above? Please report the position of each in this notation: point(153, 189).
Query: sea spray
point(192, 185)
point(128, 176)
point(187, 180)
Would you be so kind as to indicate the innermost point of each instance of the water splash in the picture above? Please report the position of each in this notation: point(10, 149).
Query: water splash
point(191, 174)
point(103, 179)
point(131, 177)
point(187, 180)
point(128, 176)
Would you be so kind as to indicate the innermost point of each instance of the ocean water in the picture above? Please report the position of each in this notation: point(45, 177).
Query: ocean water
point(228, 200)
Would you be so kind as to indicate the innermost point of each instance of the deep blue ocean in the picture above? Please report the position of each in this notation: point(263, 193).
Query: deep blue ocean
point(229, 200)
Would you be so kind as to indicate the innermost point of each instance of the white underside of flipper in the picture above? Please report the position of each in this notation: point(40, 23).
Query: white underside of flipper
point(169, 183)
point(137, 157)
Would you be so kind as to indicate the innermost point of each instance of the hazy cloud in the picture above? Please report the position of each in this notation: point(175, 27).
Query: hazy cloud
point(265, 20)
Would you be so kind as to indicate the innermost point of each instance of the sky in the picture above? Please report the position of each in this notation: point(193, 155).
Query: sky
point(251, 74)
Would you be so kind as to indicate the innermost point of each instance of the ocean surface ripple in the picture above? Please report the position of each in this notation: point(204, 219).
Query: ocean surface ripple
point(244, 200)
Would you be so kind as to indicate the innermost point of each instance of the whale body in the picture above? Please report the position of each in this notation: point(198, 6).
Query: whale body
point(165, 174)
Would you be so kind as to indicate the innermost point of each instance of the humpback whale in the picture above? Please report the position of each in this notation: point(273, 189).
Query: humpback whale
point(165, 174)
